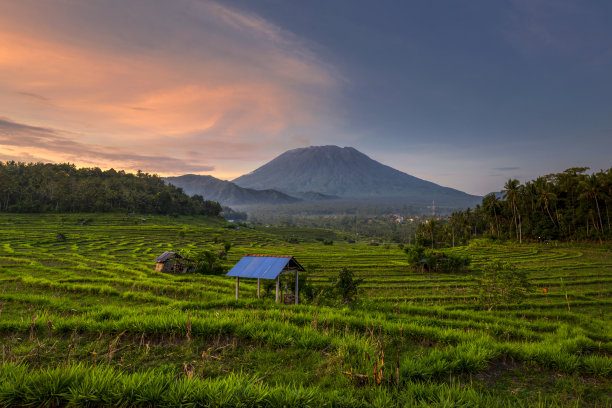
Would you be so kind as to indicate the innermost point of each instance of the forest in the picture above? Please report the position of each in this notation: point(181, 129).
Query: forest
point(62, 188)
point(566, 206)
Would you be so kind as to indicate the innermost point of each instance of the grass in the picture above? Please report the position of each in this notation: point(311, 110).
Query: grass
point(87, 321)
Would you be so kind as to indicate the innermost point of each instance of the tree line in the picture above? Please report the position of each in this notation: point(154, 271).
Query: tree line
point(571, 205)
point(62, 188)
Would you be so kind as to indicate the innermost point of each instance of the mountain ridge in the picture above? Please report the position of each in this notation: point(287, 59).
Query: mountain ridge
point(344, 172)
point(226, 192)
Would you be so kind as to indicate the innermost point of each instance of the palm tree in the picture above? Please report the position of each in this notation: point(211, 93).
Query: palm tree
point(431, 226)
point(606, 193)
point(591, 190)
point(545, 196)
point(490, 206)
point(453, 221)
point(511, 192)
point(569, 182)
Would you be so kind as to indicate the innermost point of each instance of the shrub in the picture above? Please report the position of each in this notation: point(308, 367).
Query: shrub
point(206, 262)
point(416, 253)
point(436, 260)
point(346, 287)
point(502, 282)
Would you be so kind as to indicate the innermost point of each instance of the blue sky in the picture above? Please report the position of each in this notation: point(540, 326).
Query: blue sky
point(468, 93)
point(463, 93)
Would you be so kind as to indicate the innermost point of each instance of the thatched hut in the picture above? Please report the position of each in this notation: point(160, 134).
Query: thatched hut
point(172, 262)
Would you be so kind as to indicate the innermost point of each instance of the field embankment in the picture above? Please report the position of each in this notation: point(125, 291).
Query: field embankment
point(85, 320)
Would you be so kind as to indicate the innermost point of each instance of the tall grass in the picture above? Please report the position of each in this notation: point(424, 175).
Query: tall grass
point(80, 385)
point(100, 283)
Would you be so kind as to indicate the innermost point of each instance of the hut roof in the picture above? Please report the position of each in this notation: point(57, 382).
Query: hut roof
point(264, 266)
point(167, 255)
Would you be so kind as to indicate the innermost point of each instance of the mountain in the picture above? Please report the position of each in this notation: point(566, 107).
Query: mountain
point(347, 173)
point(227, 193)
point(314, 196)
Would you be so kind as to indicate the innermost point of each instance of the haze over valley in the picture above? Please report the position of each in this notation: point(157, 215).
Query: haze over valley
point(311, 177)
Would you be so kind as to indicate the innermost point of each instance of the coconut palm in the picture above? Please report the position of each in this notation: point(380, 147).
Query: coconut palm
point(590, 191)
point(545, 196)
point(511, 195)
point(491, 208)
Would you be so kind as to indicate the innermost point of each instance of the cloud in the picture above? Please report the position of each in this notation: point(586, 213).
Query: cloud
point(34, 96)
point(560, 27)
point(167, 77)
point(35, 143)
point(535, 24)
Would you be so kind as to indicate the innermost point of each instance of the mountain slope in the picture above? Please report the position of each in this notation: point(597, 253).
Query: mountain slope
point(313, 196)
point(347, 173)
point(227, 193)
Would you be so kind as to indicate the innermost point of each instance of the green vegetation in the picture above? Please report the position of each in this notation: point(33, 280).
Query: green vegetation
point(85, 320)
point(357, 219)
point(62, 188)
point(346, 286)
point(206, 261)
point(503, 282)
point(437, 261)
point(565, 206)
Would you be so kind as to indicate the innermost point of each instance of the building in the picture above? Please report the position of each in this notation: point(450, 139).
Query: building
point(171, 262)
point(266, 267)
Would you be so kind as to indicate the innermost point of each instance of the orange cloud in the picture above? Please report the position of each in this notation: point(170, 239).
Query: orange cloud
point(22, 142)
point(182, 79)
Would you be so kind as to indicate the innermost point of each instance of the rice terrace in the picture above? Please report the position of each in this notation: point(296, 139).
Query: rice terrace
point(87, 321)
point(306, 204)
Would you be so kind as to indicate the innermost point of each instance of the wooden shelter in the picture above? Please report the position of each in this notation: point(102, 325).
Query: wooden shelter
point(171, 262)
point(266, 267)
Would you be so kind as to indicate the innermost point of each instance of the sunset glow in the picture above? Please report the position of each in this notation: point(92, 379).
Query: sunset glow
point(177, 102)
point(466, 96)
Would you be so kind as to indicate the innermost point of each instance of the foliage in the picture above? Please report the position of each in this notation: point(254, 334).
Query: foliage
point(62, 188)
point(570, 205)
point(438, 261)
point(206, 262)
point(502, 282)
point(355, 221)
point(346, 286)
point(421, 240)
point(222, 253)
point(447, 262)
point(416, 254)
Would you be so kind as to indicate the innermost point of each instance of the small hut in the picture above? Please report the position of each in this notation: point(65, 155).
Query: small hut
point(267, 267)
point(171, 262)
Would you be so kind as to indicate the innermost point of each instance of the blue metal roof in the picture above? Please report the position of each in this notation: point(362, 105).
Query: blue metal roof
point(262, 267)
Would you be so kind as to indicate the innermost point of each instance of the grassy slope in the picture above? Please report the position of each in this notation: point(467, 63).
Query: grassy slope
point(95, 300)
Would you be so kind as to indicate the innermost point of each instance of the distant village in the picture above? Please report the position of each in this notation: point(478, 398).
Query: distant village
point(400, 219)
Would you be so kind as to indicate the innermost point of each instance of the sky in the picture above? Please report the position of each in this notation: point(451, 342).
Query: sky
point(466, 94)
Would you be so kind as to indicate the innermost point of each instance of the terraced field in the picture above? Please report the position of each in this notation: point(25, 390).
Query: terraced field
point(87, 321)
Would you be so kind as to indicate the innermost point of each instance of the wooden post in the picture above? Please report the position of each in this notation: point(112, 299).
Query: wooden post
point(258, 288)
point(277, 287)
point(297, 278)
point(297, 286)
point(237, 278)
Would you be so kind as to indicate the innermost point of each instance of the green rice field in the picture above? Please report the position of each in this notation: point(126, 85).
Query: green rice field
point(86, 321)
